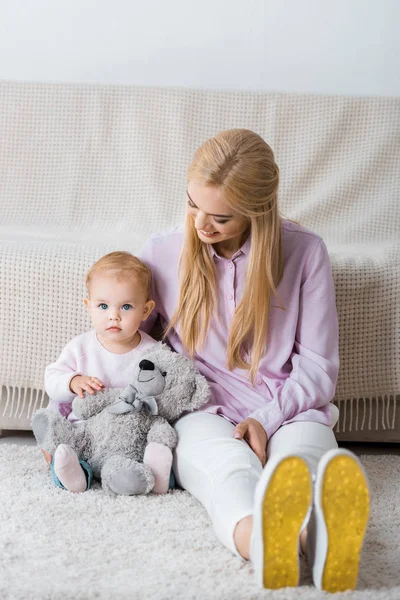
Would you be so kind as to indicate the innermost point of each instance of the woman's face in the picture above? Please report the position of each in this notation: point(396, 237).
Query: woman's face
point(214, 221)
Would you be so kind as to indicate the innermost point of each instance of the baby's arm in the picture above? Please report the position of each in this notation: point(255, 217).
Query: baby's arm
point(58, 375)
point(64, 379)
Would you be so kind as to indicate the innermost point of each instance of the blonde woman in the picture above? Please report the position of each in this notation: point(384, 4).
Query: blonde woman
point(250, 296)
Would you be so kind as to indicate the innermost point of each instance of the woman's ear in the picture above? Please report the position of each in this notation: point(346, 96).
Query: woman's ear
point(148, 309)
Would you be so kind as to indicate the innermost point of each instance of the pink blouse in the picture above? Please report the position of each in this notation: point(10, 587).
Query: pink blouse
point(297, 376)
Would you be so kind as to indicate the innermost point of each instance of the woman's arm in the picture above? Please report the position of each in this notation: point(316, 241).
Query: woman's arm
point(315, 357)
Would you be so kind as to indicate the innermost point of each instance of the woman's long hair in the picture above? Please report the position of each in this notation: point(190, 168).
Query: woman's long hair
point(240, 164)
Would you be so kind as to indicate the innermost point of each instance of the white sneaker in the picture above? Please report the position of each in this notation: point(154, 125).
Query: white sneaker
point(338, 522)
point(282, 505)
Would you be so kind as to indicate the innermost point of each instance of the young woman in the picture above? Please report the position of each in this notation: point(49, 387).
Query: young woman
point(250, 296)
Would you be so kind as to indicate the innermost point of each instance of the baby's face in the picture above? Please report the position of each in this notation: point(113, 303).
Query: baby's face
point(117, 307)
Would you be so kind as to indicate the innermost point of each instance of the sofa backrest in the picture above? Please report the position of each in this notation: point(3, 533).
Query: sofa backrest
point(111, 160)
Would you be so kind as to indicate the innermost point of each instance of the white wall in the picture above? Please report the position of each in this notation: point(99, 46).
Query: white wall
point(321, 46)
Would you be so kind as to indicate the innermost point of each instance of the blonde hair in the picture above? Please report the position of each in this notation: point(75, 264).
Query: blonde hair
point(122, 265)
point(240, 164)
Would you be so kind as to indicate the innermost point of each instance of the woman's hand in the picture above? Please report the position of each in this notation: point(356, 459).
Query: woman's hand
point(253, 432)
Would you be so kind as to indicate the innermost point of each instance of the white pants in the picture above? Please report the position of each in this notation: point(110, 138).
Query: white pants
point(222, 472)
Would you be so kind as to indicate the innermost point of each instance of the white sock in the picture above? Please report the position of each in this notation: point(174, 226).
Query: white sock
point(68, 469)
point(159, 458)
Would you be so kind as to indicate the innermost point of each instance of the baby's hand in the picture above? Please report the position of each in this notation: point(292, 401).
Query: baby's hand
point(83, 383)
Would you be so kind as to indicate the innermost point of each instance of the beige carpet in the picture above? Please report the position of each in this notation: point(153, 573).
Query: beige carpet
point(59, 546)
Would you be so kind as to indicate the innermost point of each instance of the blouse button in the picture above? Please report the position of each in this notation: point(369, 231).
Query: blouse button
point(230, 265)
point(259, 382)
point(230, 297)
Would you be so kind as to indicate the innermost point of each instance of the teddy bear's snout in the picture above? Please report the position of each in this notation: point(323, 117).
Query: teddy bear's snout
point(146, 365)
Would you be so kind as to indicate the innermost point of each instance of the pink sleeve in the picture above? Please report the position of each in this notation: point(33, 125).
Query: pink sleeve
point(315, 357)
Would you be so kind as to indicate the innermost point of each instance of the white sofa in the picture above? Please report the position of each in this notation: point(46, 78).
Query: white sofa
point(88, 169)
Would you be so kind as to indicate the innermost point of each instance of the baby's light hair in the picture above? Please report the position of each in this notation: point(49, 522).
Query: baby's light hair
point(123, 265)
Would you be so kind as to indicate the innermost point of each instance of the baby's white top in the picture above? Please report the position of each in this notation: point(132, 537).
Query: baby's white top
point(84, 355)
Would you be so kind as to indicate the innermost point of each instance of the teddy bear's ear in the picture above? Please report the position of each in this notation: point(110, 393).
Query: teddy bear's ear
point(201, 393)
point(185, 388)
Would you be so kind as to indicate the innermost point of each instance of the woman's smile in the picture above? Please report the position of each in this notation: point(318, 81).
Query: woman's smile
point(208, 233)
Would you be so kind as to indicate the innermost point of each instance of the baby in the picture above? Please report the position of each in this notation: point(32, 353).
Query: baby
point(118, 300)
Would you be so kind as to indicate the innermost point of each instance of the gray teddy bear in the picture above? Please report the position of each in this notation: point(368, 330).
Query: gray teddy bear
point(120, 423)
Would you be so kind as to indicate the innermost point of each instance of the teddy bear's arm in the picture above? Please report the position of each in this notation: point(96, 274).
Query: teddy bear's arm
point(87, 407)
point(162, 432)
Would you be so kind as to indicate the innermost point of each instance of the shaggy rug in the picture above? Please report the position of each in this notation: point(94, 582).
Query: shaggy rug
point(59, 546)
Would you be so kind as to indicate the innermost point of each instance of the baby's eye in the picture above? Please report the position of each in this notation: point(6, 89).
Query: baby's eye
point(103, 306)
point(127, 307)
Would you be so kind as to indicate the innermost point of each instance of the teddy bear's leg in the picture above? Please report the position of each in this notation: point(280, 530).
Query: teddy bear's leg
point(126, 477)
point(50, 429)
point(159, 458)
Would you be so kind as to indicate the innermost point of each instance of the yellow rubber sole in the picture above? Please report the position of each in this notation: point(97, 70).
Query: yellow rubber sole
point(345, 504)
point(285, 505)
